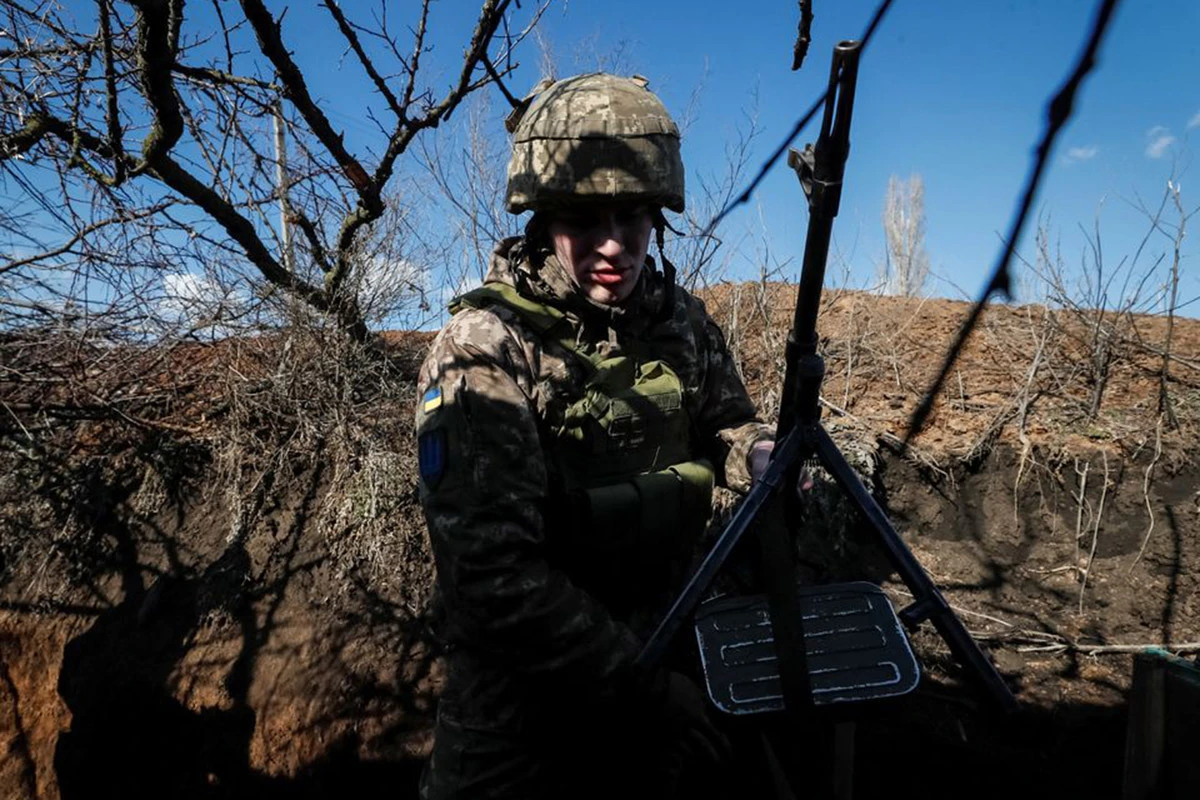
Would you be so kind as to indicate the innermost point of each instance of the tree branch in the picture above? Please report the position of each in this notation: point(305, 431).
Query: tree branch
point(158, 35)
point(82, 234)
point(314, 240)
point(414, 62)
point(803, 36)
point(37, 125)
point(267, 29)
point(239, 228)
point(110, 91)
point(363, 58)
point(177, 178)
point(214, 76)
point(489, 19)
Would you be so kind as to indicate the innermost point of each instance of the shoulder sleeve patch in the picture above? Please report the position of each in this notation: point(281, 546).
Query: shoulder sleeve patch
point(432, 400)
point(431, 455)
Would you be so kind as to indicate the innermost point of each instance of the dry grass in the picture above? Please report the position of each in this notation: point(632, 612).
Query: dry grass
point(1023, 378)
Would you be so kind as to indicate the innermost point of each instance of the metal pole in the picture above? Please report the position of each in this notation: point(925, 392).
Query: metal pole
point(281, 181)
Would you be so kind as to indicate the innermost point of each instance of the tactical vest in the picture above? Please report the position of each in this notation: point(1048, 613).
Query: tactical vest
point(628, 499)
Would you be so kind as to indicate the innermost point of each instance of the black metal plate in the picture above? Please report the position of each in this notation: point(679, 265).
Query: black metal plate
point(857, 649)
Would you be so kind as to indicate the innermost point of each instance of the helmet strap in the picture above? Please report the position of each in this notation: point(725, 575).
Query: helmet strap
point(537, 238)
point(660, 225)
point(668, 269)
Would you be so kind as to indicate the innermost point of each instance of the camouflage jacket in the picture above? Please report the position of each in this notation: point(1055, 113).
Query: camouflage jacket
point(514, 623)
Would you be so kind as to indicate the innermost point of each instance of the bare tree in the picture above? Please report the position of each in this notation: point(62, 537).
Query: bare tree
point(467, 178)
point(906, 267)
point(702, 254)
point(137, 138)
point(1175, 233)
point(1101, 307)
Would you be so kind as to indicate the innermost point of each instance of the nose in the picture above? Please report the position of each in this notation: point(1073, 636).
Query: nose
point(609, 239)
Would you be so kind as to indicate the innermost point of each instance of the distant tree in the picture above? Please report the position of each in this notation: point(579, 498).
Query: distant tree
point(145, 139)
point(906, 267)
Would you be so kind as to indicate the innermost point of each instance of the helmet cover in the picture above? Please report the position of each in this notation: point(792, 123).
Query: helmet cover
point(595, 137)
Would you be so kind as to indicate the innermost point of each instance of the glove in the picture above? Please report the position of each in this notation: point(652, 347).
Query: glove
point(689, 738)
point(760, 457)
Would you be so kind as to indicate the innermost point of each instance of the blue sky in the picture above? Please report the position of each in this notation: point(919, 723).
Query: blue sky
point(953, 91)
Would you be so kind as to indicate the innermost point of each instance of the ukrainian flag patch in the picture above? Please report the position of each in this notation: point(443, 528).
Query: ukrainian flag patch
point(432, 400)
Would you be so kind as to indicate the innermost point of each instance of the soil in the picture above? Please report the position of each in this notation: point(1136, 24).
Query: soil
point(177, 621)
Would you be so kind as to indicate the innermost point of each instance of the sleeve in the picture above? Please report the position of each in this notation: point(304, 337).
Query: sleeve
point(727, 417)
point(483, 485)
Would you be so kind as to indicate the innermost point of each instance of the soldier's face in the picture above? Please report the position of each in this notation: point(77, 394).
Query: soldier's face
point(603, 247)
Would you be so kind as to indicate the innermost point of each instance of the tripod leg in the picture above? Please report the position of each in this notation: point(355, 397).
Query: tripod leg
point(843, 760)
point(778, 570)
point(779, 779)
point(929, 602)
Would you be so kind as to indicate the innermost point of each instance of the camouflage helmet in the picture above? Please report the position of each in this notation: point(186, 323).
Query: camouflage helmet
point(594, 136)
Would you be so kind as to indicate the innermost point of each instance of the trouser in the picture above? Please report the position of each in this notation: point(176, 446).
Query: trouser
point(627, 760)
point(603, 758)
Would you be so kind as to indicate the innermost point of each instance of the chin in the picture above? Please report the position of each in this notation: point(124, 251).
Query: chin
point(612, 294)
point(609, 295)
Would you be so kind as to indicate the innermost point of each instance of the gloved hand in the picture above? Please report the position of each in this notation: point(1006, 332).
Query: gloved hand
point(760, 457)
point(679, 706)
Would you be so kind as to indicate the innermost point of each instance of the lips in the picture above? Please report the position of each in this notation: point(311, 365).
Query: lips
point(608, 277)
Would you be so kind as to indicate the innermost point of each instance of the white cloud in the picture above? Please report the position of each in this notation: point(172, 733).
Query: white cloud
point(1194, 122)
point(183, 292)
point(196, 301)
point(380, 276)
point(1076, 154)
point(1159, 146)
point(449, 291)
point(390, 287)
point(1159, 139)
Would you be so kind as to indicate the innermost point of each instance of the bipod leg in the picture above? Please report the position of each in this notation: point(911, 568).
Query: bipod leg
point(928, 602)
point(778, 775)
point(778, 572)
point(843, 760)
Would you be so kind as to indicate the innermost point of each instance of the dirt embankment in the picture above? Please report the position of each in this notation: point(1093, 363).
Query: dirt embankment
point(181, 616)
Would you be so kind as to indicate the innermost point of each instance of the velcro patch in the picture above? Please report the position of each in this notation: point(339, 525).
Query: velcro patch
point(431, 456)
point(432, 400)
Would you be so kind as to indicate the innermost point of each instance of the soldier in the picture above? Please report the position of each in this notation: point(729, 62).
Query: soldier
point(573, 417)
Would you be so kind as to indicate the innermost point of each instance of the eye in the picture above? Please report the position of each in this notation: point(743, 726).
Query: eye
point(574, 222)
point(631, 216)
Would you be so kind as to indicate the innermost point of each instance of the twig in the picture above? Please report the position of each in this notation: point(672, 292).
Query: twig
point(1091, 650)
point(962, 610)
point(803, 35)
point(1056, 570)
point(773, 159)
point(1146, 490)
point(363, 59)
point(1158, 351)
point(1095, 531)
point(84, 232)
point(1058, 113)
point(1164, 398)
point(1080, 501)
point(1030, 641)
point(1023, 414)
